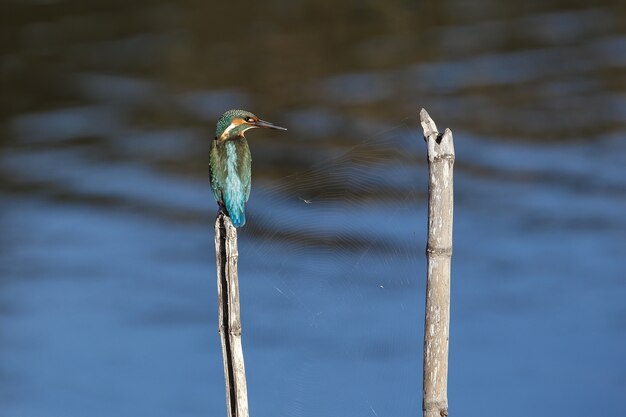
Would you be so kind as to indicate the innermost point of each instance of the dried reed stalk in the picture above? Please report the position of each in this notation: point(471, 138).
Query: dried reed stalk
point(439, 254)
point(229, 316)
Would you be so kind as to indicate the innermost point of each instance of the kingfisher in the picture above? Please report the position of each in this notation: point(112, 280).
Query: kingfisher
point(230, 170)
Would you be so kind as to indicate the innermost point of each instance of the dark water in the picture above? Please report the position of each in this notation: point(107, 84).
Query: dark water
point(107, 292)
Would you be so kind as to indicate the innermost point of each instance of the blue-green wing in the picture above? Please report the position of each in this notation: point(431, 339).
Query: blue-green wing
point(216, 172)
point(244, 168)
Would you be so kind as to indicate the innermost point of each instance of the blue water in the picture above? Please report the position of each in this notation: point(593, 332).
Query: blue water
point(108, 302)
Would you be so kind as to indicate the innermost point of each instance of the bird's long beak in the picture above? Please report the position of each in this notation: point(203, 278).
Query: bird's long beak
point(268, 125)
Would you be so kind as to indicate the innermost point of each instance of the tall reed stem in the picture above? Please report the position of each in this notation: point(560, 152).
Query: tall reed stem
point(229, 316)
point(439, 254)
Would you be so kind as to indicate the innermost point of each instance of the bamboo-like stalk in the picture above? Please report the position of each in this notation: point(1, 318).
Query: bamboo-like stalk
point(439, 254)
point(229, 316)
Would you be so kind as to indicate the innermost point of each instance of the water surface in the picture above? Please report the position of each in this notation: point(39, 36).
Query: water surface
point(107, 277)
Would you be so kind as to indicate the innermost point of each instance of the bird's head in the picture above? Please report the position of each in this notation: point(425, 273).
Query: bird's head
point(234, 123)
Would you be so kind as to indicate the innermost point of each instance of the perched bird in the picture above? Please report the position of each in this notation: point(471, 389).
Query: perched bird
point(230, 162)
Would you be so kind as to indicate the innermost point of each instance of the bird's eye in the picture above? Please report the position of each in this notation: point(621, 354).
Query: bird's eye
point(249, 119)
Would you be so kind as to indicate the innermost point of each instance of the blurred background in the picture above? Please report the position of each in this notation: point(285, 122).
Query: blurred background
point(108, 301)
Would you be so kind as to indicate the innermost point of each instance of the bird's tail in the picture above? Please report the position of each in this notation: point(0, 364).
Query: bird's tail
point(237, 214)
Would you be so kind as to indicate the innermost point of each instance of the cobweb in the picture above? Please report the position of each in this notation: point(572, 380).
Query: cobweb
point(332, 271)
